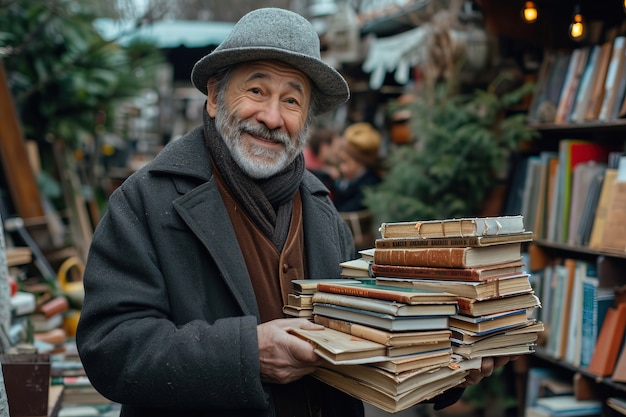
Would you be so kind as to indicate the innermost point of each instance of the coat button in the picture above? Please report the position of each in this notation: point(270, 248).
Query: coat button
point(285, 268)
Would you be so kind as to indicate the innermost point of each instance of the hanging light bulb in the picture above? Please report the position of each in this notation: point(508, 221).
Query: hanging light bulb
point(529, 12)
point(578, 27)
point(624, 5)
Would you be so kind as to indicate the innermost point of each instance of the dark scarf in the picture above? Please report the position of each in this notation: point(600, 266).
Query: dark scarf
point(268, 201)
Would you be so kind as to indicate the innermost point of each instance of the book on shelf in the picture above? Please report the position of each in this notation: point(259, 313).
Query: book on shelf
point(596, 301)
point(599, 219)
point(582, 179)
point(382, 321)
point(387, 338)
point(597, 87)
point(583, 95)
point(480, 273)
point(18, 255)
point(489, 323)
point(588, 215)
point(545, 110)
point(619, 373)
point(339, 347)
point(474, 307)
point(572, 333)
point(461, 227)
point(391, 293)
point(614, 235)
point(613, 87)
point(575, 70)
point(509, 285)
point(393, 308)
point(443, 257)
point(309, 286)
point(617, 404)
point(452, 242)
point(569, 406)
point(573, 152)
point(609, 341)
point(394, 403)
point(415, 361)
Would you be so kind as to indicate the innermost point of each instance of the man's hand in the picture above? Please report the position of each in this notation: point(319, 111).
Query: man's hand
point(284, 357)
point(488, 365)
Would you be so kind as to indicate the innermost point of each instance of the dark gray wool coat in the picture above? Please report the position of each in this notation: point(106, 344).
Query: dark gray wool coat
point(169, 320)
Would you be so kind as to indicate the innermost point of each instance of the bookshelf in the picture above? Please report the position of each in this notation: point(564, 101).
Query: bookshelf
point(563, 247)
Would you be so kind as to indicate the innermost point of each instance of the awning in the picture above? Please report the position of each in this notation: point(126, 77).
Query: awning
point(166, 33)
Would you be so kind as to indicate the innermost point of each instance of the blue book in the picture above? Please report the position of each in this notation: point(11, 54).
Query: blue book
point(596, 302)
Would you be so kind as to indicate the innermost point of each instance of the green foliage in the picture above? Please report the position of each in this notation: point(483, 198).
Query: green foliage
point(462, 143)
point(62, 73)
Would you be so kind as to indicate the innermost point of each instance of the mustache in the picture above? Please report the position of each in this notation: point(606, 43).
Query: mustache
point(260, 130)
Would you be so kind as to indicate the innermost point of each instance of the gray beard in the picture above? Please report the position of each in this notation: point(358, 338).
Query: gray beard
point(257, 162)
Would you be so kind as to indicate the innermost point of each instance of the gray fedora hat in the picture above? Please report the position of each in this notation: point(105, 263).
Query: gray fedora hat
point(276, 34)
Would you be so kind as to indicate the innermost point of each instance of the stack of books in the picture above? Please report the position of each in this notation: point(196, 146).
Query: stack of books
point(299, 300)
point(479, 260)
point(387, 346)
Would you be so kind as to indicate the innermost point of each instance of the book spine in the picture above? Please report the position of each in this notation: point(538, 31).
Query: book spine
point(427, 243)
point(465, 306)
point(363, 292)
point(431, 257)
point(400, 271)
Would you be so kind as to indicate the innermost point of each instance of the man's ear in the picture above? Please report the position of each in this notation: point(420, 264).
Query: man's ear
point(211, 102)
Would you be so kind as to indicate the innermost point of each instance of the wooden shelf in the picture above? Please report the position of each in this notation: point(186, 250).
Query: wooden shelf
point(542, 355)
point(562, 247)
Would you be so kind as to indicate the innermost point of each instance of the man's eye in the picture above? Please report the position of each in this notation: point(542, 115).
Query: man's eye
point(255, 90)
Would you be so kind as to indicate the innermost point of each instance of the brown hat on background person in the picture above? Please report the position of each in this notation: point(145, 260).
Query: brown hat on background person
point(362, 142)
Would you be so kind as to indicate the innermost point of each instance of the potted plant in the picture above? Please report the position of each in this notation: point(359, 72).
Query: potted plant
point(458, 153)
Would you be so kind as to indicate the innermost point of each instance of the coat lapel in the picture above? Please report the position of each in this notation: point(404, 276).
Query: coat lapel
point(218, 236)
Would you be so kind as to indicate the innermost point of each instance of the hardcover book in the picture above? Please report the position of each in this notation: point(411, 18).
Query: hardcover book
point(480, 273)
point(382, 321)
point(517, 284)
point(473, 307)
point(489, 323)
point(462, 227)
point(391, 293)
point(468, 257)
point(452, 242)
point(309, 286)
point(385, 306)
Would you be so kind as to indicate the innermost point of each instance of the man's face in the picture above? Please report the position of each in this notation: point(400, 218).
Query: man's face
point(262, 116)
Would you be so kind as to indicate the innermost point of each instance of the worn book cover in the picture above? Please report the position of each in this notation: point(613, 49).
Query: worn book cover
point(500, 287)
point(474, 307)
point(480, 273)
point(339, 347)
point(415, 361)
point(462, 227)
point(489, 323)
point(382, 321)
point(452, 242)
point(468, 257)
point(309, 286)
point(391, 293)
point(387, 338)
point(386, 306)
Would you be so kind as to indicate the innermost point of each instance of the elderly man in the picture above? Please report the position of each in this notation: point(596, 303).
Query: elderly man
point(190, 266)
